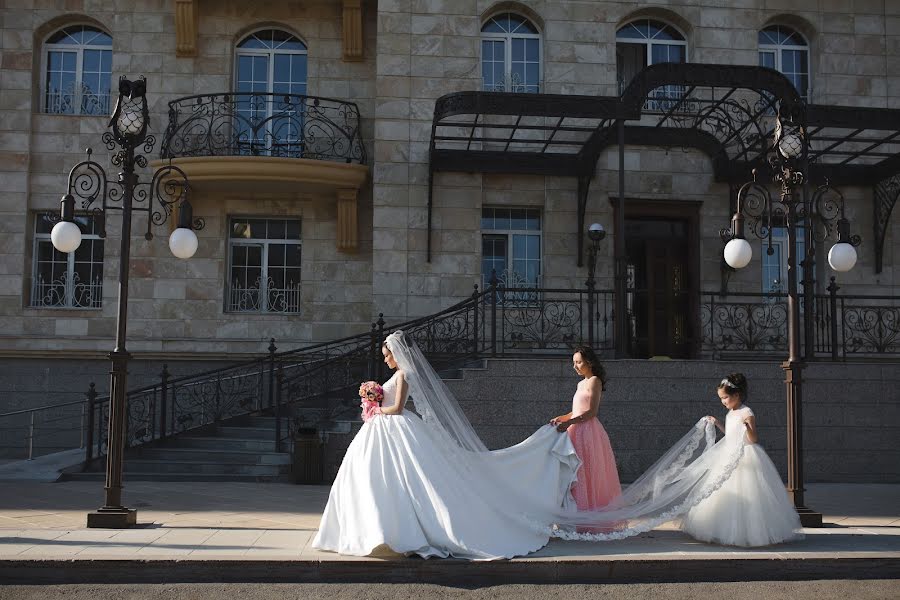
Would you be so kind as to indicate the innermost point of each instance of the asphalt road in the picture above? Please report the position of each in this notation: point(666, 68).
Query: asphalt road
point(757, 590)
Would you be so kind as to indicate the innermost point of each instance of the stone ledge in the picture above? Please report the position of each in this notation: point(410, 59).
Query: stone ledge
point(533, 570)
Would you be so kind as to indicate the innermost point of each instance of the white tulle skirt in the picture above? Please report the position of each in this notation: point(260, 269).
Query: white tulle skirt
point(751, 508)
point(399, 487)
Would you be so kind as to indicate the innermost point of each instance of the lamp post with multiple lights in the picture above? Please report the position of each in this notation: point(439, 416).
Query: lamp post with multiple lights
point(817, 217)
point(166, 191)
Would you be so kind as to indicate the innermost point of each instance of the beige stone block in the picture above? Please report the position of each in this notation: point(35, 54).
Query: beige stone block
point(868, 24)
point(71, 327)
point(421, 87)
point(432, 45)
point(18, 100)
point(429, 25)
point(389, 261)
point(428, 66)
point(421, 306)
point(392, 130)
point(391, 173)
point(390, 195)
point(424, 285)
point(393, 43)
point(393, 23)
point(393, 64)
point(388, 239)
point(418, 218)
point(17, 39)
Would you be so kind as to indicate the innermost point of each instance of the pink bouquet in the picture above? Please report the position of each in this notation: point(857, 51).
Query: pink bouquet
point(371, 395)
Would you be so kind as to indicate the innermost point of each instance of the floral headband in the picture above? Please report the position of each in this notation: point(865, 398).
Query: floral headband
point(729, 384)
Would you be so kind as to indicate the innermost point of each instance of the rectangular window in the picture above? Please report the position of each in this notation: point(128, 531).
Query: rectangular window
point(774, 266)
point(511, 246)
point(264, 266)
point(73, 280)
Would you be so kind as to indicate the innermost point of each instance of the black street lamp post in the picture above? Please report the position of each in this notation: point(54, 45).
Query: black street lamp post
point(166, 191)
point(818, 217)
point(595, 234)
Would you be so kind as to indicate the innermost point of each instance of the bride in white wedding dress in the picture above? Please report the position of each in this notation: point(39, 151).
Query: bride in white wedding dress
point(429, 486)
point(417, 488)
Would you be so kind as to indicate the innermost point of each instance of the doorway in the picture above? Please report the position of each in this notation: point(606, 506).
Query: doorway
point(662, 296)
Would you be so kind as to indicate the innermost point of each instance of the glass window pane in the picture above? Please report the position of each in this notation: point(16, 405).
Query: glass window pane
point(518, 218)
point(276, 230)
point(518, 49)
point(254, 255)
point(533, 247)
point(519, 247)
point(282, 67)
point(532, 76)
point(636, 30)
point(292, 231)
point(532, 50)
point(292, 256)
point(276, 255)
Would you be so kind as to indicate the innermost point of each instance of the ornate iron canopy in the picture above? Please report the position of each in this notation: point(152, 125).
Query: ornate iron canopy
point(725, 111)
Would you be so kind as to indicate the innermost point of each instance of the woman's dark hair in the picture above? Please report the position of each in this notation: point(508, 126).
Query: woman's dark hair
point(591, 358)
point(734, 383)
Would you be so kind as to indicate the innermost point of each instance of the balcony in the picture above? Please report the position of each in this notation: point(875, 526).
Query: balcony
point(287, 144)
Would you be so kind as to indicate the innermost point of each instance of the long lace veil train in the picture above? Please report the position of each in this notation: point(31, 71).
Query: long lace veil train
point(692, 469)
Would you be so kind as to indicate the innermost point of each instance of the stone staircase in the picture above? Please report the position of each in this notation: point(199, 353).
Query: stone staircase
point(241, 449)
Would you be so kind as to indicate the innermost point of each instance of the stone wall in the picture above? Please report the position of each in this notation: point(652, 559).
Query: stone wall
point(851, 412)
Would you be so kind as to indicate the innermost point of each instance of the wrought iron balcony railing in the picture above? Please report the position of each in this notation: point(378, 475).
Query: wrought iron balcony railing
point(259, 124)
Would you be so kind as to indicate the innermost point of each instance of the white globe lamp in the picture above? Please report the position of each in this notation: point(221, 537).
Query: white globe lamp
point(65, 236)
point(738, 253)
point(183, 242)
point(842, 257)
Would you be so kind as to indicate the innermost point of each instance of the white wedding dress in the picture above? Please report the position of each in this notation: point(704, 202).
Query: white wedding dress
point(429, 486)
point(406, 485)
point(751, 508)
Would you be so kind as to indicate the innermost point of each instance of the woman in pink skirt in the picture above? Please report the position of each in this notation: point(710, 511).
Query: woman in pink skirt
point(598, 479)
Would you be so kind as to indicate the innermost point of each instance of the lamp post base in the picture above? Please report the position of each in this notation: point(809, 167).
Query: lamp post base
point(112, 518)
point(809, 517)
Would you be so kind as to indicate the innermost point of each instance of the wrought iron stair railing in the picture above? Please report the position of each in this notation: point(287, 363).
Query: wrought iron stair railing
point(501, 321)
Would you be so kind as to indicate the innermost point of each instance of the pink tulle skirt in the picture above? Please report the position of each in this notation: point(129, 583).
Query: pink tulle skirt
point(598, 478)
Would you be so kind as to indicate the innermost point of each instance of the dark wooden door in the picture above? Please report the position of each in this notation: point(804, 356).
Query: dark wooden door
point(667, 299)
point(658, 297)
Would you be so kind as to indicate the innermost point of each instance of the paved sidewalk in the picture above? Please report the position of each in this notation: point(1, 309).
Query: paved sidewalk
point(252, 532)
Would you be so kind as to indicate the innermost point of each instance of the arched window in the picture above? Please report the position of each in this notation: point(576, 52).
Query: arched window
point(270, 61)
point(646, 42)
point(77, 71)
point(510, 54)
point(785, 50)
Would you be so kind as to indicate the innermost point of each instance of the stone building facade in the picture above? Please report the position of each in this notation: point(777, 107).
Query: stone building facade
point(362, 246)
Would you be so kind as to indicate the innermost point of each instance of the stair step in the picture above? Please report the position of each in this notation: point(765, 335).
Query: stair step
point(255, 433)
point(219, 443)
point(212, 468)
point(205, 455)
point(154, 476)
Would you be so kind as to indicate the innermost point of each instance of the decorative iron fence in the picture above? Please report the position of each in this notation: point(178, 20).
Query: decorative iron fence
point(260, 124)
point(496, 322)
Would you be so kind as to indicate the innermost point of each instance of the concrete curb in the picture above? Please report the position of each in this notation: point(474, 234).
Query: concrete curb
point(450, 572)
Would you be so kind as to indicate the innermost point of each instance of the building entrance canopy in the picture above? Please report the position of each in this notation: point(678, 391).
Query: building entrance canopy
point(727, 112)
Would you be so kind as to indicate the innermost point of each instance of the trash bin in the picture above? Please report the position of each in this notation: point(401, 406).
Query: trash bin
point(307, 457)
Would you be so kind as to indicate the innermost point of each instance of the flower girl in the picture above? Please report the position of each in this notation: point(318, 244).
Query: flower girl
point(751, 508)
